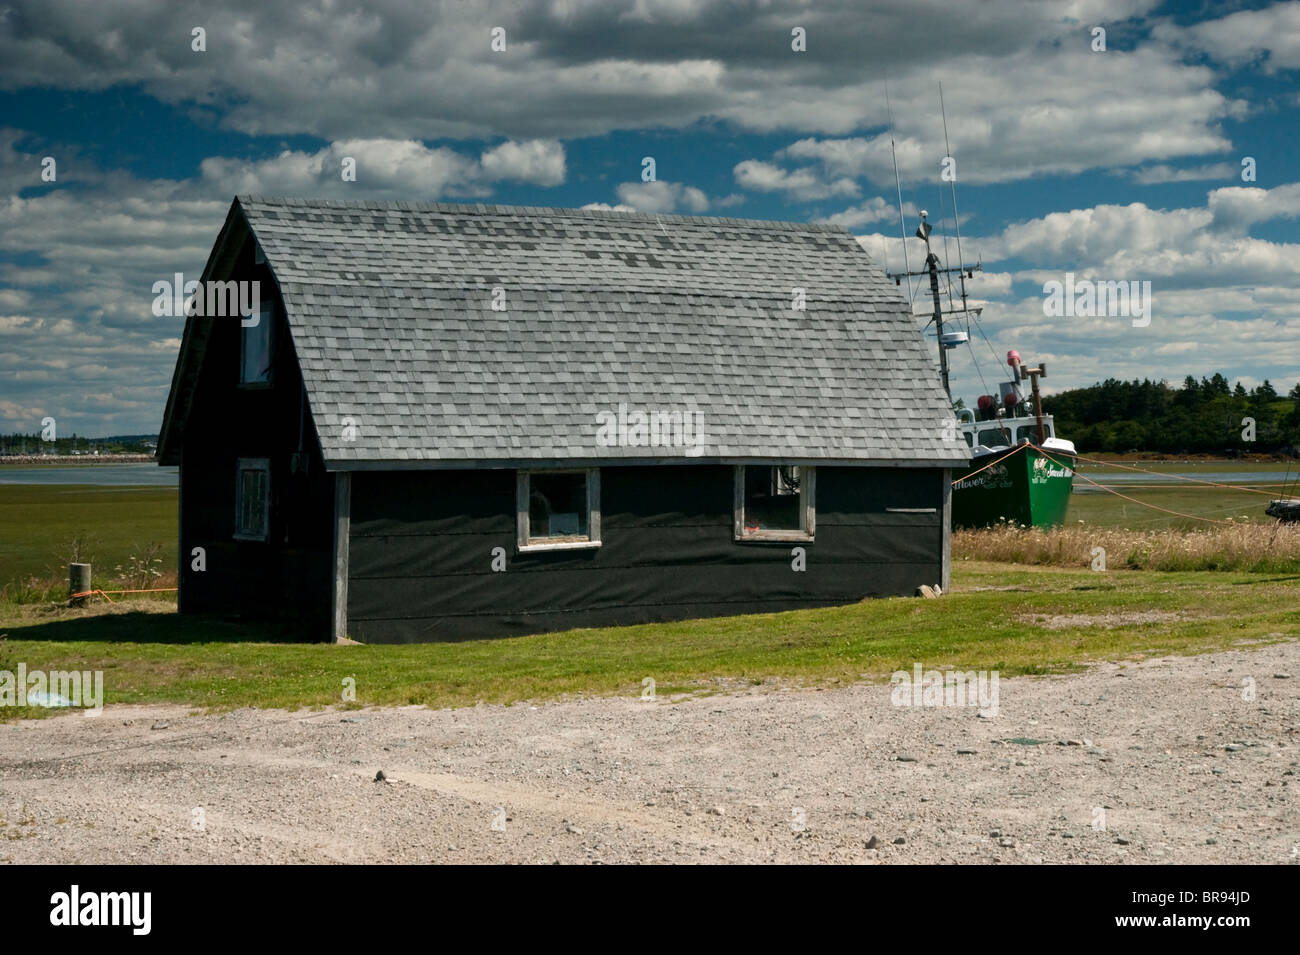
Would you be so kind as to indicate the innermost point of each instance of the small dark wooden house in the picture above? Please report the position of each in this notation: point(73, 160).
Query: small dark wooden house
point(454, 421)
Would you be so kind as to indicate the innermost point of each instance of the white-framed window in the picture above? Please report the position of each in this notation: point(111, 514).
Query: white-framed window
point(255, 347)
point(775, 502)
point(1030, 432)
point(558, 509)
point(253, 499)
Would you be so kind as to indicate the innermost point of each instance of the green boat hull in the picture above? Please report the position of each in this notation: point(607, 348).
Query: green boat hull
point(1025, 487)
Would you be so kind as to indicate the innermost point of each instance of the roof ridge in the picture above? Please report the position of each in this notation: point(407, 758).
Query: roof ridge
point(479, 208)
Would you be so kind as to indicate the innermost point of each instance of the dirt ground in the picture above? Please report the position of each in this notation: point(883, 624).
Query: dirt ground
point(1165, 754)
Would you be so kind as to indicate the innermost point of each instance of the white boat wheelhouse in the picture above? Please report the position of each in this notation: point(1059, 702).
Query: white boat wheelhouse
point(1004, 433)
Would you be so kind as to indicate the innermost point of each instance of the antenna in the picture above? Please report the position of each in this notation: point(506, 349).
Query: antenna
point(932, 268)
point(902, 225)
point(956, 219)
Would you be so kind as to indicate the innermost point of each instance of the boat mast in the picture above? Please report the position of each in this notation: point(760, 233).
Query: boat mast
point(932, 268)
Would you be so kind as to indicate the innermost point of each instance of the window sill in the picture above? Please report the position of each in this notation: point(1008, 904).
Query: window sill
point(251, 537)
point(559, 545)
point(769, 536)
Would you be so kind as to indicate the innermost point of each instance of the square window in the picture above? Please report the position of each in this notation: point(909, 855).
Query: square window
point(775, 502)
point(558, 509)
point(253, 499)
point(255, 348)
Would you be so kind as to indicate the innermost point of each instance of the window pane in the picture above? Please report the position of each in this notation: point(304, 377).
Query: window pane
point(252, 502)
point(557, 505)
point(772, 499)
point(255, 349)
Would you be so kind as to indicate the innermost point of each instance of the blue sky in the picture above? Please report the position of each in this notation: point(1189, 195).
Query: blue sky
point(1114, 164)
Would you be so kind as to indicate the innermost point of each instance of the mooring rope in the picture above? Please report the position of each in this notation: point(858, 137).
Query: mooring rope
point(105, 593)
point(1016, 450)
point(1111, 490)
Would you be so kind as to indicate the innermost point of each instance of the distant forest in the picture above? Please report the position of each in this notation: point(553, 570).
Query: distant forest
point(1202, 416)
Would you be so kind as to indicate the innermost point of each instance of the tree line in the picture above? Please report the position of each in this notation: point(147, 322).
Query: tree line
point(19, 443)
point(1206, 416)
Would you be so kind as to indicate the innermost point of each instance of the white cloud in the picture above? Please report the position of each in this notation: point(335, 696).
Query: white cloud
point(1269, 36)
point(538, 161)
point(802, 184)
point(1161, 173)
point(1235, 208)
point(387, 168)
point(874, 209)
point(660, 196)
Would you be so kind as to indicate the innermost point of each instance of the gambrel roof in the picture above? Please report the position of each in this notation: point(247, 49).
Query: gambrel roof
point(391, 310)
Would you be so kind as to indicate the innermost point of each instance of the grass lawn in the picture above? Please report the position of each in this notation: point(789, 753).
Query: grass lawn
point(1014, 619)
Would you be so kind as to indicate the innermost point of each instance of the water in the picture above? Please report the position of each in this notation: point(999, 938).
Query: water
point(107, 475)
point(1172, 477)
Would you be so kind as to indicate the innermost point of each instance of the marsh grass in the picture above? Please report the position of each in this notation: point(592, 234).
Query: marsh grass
point(1253, 548)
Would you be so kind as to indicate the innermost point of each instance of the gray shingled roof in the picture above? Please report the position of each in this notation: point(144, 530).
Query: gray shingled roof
point(390, 306)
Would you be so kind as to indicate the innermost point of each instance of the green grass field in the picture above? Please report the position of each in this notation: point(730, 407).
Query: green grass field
point(1107, 510)
point(38, 523)
point(1017, 620)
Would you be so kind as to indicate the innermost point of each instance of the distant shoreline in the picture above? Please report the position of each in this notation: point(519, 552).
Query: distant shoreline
point(60, 460)
point(1155, 457)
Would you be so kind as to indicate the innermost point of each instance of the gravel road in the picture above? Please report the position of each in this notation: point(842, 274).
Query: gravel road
point(1158, 761)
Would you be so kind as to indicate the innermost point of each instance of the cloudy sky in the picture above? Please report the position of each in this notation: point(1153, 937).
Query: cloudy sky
point(1122, 163)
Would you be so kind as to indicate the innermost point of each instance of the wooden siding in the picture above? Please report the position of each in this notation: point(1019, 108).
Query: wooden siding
point(289, 575)
point(421, 543)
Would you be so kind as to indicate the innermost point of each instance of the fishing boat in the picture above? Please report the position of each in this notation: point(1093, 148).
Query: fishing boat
point(1021, 472)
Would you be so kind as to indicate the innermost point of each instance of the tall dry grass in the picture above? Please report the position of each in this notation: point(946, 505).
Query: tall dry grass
point(1262, 548)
